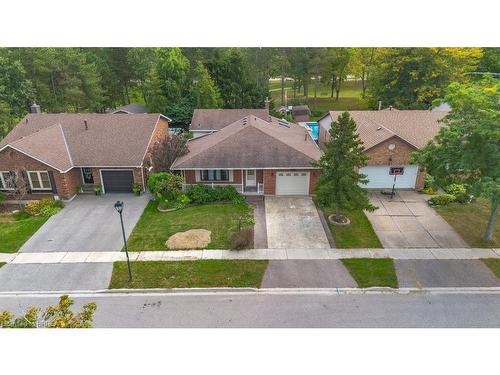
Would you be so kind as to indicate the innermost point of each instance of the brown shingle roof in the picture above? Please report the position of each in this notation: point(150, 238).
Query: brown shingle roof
point(416, 127)
point(216, 119)
point(111, 139)
point(256, 144)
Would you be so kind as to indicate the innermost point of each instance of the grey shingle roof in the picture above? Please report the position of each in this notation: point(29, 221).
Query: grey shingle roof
point(132, 108)
point(255, 144)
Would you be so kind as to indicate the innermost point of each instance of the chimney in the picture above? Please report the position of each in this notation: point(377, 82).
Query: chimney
point(379, 105)
point(266, 103)
point(390, 108)
point(35, 108)
point(86, 124)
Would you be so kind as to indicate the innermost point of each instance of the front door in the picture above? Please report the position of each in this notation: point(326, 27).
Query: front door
point(251, 178)
point(88, 177)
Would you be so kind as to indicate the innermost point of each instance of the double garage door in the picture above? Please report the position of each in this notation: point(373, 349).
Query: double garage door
point(117, 181)
point(292, 183)
point(381, 178)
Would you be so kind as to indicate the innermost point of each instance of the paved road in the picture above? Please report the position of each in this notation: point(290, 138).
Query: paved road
point(284, 310)
point(88, 223)
point(408, 221)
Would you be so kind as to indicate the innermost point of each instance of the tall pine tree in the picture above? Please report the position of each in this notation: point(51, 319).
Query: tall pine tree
point(339, 184)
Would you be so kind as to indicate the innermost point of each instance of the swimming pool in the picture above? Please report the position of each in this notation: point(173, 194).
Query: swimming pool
point(314, 126)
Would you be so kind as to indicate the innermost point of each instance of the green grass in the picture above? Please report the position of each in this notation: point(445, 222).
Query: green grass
point(494, 265)
point(155, 227)
point(358, 234)
point(16, 229)
point(2, 263)
point(190, 274)
point(372, 272)
point(470, 221)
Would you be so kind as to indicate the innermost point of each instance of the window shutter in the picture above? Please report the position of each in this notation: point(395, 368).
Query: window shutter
point(26, 181)
point(13, 178)
point(52, 182)
point(231, 175)
point(197, 175)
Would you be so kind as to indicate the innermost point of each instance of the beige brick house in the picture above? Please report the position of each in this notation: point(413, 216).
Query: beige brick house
point(54, 154)
point(389, 137)
point(255, 155)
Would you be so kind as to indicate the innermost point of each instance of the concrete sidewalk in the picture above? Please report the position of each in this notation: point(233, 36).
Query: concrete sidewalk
point(112, 256)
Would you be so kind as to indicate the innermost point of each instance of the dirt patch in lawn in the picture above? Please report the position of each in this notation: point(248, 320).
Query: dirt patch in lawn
point(191, 239)
point(8, 207)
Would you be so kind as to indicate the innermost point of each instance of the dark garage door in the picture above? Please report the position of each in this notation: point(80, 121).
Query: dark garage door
point(117, 181)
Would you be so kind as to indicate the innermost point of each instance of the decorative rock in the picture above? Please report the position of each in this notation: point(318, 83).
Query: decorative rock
point(191, 239)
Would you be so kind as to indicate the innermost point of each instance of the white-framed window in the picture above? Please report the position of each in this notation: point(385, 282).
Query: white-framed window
point(214, 175)
point(6, 183)
point(39, 180)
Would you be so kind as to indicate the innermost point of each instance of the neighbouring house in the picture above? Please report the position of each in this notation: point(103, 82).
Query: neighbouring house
point(131, 108)
point(301, 113)
point(54, 155)
point(208, 121)
point(389, 137)
point(256, 155)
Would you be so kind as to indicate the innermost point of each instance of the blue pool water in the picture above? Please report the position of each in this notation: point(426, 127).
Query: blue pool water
point(314, 126)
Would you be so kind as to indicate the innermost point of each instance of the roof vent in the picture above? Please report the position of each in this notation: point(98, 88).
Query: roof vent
point(244, 120)
point(283, 122)
point(379, 128)
point(86, 124)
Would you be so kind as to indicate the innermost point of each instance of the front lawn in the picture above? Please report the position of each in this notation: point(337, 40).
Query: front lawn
point(372, 272)
point(493, 265)
point(190, 274)
point(470, 221)
point(2, 264)
point(358, 234)
point(16, 229)
point(155, 227)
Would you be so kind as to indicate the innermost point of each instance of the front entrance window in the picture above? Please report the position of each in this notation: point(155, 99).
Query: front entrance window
point(251, 180)
point(214, 175)
point(39, 180)
point(88, 178)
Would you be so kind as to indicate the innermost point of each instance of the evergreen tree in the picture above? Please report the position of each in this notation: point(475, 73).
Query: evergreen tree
point(205, 92)
point(339, 184)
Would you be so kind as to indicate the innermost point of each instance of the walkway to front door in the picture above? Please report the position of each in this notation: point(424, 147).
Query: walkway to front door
point(293, 222)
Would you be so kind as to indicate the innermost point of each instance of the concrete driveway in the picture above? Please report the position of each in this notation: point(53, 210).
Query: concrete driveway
point(293, 222)
point(407, 221)
point(434, 273)
point(88, 223)
point(55, 276)
point(324, 273)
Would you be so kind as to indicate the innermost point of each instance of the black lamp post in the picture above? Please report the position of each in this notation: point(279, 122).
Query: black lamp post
point(119, 208)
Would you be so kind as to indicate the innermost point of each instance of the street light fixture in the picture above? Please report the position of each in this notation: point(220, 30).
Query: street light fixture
point(119, 208)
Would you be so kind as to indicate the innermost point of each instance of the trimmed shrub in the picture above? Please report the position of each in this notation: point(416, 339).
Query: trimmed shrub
point(202, 194)
point(455, 189)
point(242, 239)
point(441, 200)
point(181, 201)
point(165, 183)
point(45, 207)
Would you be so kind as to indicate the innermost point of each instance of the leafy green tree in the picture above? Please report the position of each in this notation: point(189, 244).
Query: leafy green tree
point(205, 92)
point(58, 316)
point(173, 69)
point(467, 149)
point(361, 65)
point(153, 93)
point(16, 89)
point(491, 60)
point(335, 67)
point(339, 183)
point(411, 78)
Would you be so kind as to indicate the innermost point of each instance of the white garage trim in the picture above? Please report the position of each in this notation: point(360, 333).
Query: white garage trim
point(292, 183)
point(380, 178)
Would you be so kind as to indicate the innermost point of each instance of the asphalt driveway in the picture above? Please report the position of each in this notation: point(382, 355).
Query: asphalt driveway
point(407, 221)
point(324, 273)
point(293, 222)
point(88, 223)
point(445, 273)
point(55, 276)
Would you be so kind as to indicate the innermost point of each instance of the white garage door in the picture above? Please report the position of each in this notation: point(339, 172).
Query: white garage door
point(380, 177)
point(292, 183)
